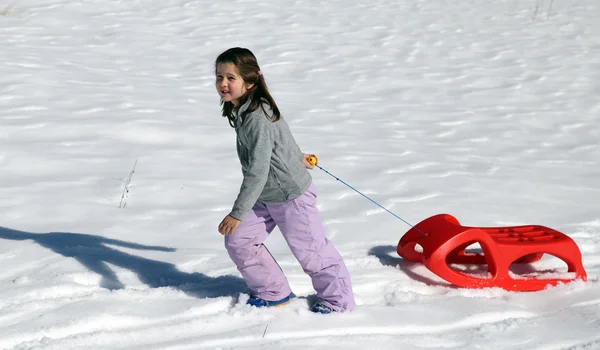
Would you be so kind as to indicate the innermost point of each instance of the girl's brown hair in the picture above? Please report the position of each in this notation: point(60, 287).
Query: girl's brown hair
point(248, 67)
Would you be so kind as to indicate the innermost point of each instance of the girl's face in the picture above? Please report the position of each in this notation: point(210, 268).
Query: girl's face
point(230, 85)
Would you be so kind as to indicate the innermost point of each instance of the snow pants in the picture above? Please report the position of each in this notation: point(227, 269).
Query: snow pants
point(301, 226)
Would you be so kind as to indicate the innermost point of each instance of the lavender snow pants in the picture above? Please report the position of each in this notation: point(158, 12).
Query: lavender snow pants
point(300, 223)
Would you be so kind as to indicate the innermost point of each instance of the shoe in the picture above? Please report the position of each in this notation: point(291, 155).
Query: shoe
point(321, 309)
point(259, 302)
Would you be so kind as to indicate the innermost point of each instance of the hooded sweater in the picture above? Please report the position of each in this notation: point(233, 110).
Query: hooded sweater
point(271, 160)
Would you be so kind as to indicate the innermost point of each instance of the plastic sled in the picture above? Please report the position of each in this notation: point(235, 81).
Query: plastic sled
point(443, 240)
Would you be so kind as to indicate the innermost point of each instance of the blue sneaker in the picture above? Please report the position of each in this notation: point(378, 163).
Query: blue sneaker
point(259, 302)
point(321, 309)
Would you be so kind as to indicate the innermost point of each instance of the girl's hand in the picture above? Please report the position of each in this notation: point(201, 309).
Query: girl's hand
point(305, 161)
point(228, 225)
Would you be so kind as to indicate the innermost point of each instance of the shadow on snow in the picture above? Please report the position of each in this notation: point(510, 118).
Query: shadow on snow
point(95, 254)
point(382, 252)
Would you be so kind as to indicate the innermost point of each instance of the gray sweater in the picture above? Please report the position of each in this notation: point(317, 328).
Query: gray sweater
point(271, 161)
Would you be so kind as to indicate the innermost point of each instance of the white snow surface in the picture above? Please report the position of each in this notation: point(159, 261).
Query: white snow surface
point(486, 110)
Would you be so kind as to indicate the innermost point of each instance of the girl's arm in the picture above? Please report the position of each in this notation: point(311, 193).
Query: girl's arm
point(258, 132)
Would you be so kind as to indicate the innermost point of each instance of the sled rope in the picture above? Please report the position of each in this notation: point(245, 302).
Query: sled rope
point(367, 197)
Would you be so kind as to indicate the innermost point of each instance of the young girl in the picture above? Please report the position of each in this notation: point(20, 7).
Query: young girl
point(277, 190)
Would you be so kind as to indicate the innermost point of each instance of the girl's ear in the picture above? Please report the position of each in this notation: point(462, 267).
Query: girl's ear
point(249, 86)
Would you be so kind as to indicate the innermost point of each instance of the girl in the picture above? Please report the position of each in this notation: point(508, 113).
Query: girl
point(277, 190)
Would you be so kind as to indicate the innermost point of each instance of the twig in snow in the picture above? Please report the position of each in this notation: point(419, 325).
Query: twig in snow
point(537, 6)
point(7, 10)
point(265, 332)
point(549, 9)
point(125, 194)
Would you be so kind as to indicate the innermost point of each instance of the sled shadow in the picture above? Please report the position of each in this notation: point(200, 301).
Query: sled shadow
point(383, 252)
point(95, 253)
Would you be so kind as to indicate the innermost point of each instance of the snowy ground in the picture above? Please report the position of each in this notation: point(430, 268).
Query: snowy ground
point(487, 110)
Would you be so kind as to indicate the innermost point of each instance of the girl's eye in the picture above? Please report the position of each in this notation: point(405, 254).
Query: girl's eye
point(231, 78)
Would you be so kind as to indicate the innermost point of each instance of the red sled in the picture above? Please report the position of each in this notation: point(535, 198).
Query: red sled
point(443, 240)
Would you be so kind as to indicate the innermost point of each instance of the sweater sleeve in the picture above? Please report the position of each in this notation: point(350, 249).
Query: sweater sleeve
point(259, 147)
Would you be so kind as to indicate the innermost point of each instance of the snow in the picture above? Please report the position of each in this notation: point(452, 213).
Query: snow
point(487, 110)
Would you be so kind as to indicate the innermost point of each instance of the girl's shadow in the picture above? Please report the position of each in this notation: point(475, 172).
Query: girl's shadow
point(95, 254)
